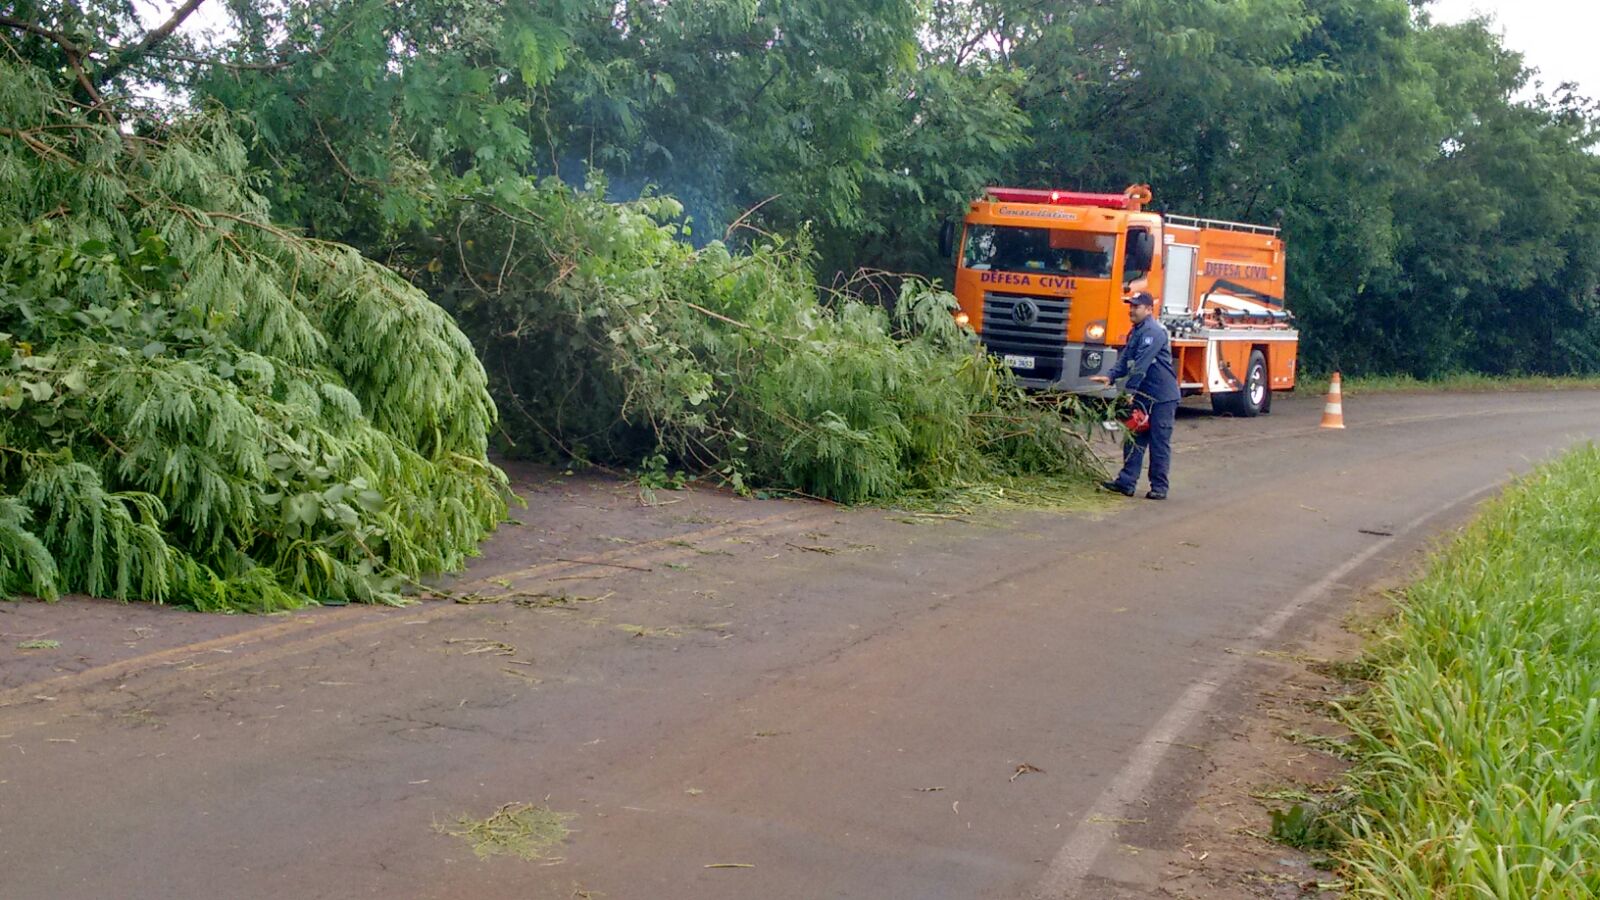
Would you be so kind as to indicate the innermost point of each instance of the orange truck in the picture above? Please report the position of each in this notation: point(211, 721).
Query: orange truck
point(1041, 276)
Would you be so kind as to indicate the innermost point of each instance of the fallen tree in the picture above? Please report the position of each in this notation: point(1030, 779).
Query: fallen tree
point(202, 407)
point(608, 336)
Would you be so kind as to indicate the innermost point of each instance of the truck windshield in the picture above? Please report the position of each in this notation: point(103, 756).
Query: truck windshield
point(1080, 254)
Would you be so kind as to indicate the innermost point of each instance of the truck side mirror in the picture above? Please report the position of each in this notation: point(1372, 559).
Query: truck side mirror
point(947, 239)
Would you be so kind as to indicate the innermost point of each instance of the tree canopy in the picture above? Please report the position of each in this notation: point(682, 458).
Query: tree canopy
point(1440, 212)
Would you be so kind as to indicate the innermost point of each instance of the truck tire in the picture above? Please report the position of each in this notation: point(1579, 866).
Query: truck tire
point(1255, 399)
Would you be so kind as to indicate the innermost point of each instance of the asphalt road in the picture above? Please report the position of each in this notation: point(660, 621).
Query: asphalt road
point(843, 703)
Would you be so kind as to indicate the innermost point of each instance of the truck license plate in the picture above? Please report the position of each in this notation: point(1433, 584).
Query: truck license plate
point(1019, 362)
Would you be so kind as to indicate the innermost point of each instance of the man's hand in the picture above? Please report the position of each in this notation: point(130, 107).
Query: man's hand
point(1099, 379)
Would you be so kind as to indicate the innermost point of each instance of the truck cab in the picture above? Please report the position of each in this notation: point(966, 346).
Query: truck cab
point(1041, 276)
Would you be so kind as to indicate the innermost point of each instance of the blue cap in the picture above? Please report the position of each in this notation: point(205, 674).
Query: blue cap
point(1141, 299)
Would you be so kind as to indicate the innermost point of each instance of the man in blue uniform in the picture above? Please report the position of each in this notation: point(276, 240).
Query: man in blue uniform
point(1147, 361)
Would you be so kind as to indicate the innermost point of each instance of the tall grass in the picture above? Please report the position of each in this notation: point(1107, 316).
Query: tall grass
point(1481, 739)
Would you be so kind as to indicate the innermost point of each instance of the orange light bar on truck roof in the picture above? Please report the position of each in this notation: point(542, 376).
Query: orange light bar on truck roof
point(1133, 199)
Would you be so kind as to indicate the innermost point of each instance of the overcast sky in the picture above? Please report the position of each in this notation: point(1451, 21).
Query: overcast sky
point(1557, 37)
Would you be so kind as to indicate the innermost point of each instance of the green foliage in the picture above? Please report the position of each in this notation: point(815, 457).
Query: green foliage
point(1439, 219)
point(1306, 826)
point(654, 475)
point(950, 129)
point(523, 830)
point(1437, 225)
point(201, 407)
point(1435, 222)
point(611, 338)
point(1481, 738)
point(376, 113)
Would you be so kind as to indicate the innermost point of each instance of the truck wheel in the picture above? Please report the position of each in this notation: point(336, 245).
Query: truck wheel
point(1256, 398)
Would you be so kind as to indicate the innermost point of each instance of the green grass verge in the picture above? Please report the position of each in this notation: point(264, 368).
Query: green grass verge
point(1464, 383)
point(1480, 742)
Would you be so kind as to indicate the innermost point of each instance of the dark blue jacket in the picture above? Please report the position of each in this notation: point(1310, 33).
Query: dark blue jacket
point(1147, 361)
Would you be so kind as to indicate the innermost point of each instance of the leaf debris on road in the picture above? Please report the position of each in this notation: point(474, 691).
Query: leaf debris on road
point(650, 631)
point(484, 645)
point(1024, 769)
point(523, 830)
point(809, 548)
point(601, 562)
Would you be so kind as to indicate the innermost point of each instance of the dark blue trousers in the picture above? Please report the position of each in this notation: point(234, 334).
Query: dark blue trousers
point(1159, 441)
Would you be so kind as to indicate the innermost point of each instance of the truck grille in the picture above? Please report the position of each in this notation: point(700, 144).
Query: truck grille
point(1041, 338)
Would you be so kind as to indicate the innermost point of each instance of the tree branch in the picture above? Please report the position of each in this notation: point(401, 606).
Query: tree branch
point(223, 64)
point(37, 146)
point(69, 48)
point(130, 55)
point(365, 182)
point(35, 29)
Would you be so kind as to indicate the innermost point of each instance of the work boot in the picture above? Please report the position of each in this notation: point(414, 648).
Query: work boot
point(1153, 495)
point(1116, 488)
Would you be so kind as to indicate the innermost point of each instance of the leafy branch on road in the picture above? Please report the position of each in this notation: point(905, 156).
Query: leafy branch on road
point(524, 830)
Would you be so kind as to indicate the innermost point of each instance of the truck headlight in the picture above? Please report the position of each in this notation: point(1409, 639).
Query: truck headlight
point(1096, 332)
point(962, 318)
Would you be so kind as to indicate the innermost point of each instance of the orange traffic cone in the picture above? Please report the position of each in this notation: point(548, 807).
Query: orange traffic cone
point(1333, 410)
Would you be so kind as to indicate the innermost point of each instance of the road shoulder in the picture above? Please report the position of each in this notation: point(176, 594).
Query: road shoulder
point(1269, 743)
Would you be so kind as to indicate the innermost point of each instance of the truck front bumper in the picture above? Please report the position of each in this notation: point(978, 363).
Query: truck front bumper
point(1069, 370)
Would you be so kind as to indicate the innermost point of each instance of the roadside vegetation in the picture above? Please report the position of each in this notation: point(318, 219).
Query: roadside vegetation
point(1478, 745)
point(611, 337)
point(197, 406)
point(1441, 206)
point(205, 405)
point(269, 294)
